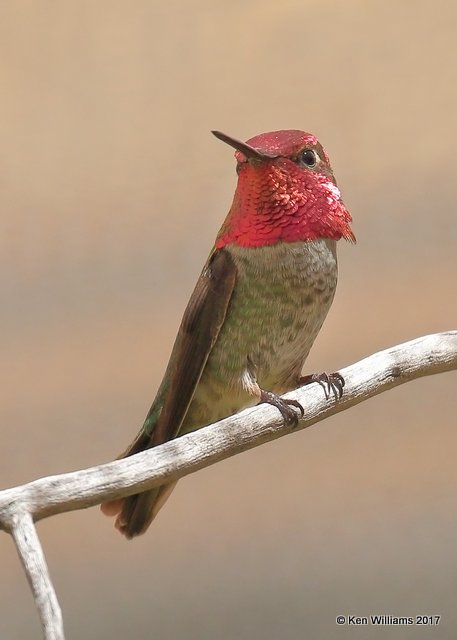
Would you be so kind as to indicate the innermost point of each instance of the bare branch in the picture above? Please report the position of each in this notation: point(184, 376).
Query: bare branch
point(32, 557)
point(380, 372)
point(20, 506)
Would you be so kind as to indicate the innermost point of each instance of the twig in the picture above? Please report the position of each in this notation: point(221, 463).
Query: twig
point(380, 372)
point(22, 505)
point(32, 558)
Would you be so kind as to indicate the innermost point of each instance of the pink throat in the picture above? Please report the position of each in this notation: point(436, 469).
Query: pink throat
point(279, 201)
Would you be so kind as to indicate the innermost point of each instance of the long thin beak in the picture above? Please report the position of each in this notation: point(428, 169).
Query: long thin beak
point(245, 149)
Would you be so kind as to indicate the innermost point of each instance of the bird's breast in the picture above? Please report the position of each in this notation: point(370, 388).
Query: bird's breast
point(282, 295)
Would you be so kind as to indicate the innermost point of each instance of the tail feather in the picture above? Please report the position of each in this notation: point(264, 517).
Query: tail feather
point(135, 513)
point(138, 511)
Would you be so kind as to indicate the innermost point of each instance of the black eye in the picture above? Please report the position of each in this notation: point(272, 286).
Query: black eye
point(309, 158)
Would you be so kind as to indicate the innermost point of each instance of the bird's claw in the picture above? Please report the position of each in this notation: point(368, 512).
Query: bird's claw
point(332, 383)
point(284, 405)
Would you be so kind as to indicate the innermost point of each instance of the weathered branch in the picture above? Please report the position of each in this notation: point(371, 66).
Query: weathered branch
point(32, 557)
point(79, 489)
point(21, 505)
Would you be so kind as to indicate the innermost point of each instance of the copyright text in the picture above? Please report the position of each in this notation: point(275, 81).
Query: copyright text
point(385, 620)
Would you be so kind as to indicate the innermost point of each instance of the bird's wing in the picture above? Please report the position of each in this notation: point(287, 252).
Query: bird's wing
point(200, 326)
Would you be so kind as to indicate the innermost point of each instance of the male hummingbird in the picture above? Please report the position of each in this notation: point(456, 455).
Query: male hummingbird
point(258, 304)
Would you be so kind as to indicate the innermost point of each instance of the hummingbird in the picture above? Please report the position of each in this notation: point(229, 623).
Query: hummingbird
point(258, 304)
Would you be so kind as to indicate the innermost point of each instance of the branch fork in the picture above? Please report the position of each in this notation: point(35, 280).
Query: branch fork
point(22, 506)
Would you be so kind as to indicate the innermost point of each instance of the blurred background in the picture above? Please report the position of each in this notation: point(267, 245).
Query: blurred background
point(112, 190)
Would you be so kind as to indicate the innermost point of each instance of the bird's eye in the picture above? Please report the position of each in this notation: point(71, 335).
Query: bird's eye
point(309, 158)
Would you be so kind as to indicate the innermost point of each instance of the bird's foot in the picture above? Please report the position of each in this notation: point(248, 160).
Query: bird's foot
point(332, 383)
point(284, 405)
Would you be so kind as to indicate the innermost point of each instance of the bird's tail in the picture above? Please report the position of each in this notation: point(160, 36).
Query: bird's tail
point(135, 513)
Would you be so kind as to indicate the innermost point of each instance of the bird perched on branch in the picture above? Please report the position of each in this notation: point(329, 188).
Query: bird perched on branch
point(258, 304)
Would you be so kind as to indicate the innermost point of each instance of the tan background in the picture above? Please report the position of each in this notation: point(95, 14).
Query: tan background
point(112, 190)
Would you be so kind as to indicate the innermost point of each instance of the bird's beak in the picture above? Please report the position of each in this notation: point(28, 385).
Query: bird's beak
point(242, 147)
